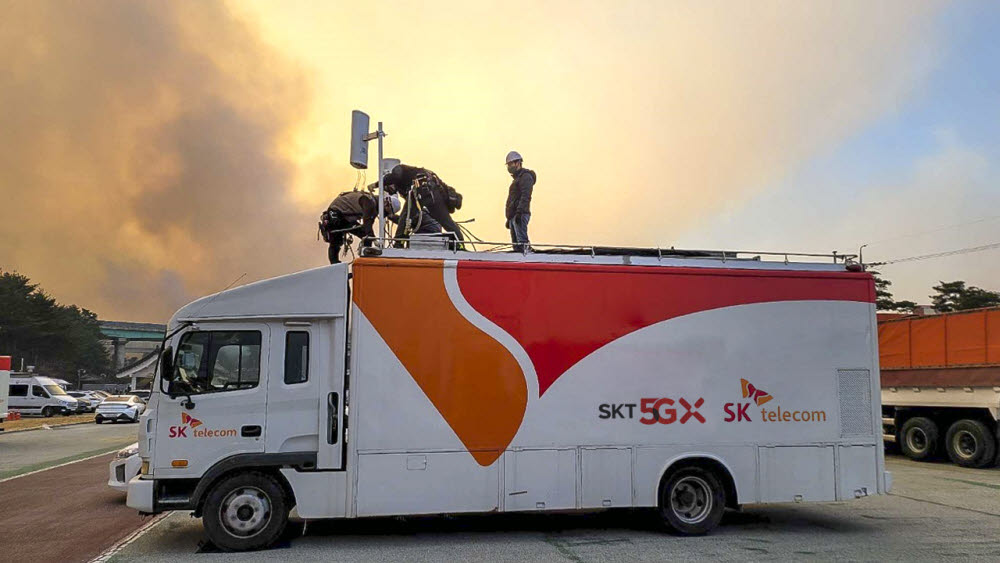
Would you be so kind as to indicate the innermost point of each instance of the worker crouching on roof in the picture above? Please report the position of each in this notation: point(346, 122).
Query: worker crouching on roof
point(518, 209)
point(353, 213)
point(423, 189)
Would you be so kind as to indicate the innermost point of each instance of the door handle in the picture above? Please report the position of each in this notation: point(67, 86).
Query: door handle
point(332, 409)
point(250, 431)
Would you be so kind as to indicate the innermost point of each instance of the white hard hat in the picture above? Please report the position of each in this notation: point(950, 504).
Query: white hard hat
point(392, 202)
point(512, 156)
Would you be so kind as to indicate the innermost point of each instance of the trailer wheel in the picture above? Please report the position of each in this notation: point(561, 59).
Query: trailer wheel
point(692, 501)
point(919, 438)
point(245, 511)
point(970, 443)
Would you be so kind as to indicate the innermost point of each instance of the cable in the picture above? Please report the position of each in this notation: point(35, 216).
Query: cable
point(937, 230)
point(969, 250)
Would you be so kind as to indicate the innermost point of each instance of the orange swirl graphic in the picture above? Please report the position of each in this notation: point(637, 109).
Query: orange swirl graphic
point(470, 378)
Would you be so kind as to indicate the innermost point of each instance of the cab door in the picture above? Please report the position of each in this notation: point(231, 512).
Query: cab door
point(306, 394)
point(215, 402)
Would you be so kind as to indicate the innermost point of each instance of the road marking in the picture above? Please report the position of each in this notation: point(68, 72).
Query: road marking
point(113, 550)
point(60, 465)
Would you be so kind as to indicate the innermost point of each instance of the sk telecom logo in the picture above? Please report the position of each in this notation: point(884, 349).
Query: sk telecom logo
point(756, 395)
point(186, 420)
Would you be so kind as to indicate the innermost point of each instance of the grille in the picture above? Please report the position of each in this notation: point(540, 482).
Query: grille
point(855, 389)
point(120, 473)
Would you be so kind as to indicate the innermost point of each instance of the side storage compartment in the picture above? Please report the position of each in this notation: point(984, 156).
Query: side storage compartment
point(797, 473)
point(539, 479)
point(606, 477)
point(858, 471)
point(425, 483)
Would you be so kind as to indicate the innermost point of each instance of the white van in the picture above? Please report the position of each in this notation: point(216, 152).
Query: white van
point(40, 395)
point(433, 382)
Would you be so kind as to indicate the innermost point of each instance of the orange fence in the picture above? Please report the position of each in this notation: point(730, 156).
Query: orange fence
point(968, 338)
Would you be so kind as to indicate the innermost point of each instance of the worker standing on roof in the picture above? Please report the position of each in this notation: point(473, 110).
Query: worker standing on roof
point(437, 199)
point(518, 209)
point(353, 213)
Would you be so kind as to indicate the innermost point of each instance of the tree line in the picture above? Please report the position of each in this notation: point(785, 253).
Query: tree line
point(947, 296)
point(57, 339)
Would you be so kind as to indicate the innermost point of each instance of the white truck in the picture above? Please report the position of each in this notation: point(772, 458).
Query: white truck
point(429, 382)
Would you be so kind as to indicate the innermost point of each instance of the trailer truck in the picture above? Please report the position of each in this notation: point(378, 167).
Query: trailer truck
point(941, 385)
point(434, 382)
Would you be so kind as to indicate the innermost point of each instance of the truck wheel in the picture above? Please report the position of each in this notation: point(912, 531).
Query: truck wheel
point(919, 438)
point(47, 412)
point(970, 443)
point(692, 501)
point(245, 511)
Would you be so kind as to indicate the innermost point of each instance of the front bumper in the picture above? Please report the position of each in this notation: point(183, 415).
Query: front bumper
point(121, 471)
point(140, 494)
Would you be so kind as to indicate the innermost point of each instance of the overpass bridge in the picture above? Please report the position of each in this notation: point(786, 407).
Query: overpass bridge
point(120, 333)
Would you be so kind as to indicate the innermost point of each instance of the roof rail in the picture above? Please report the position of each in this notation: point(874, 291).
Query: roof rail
point(445, 243)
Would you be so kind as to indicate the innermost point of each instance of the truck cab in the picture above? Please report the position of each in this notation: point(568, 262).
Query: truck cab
point(252, 378)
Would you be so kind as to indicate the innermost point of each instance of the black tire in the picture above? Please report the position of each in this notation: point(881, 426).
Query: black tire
point(919, 438)
point(245, 511)
point(98, 420)
point(47, 412)
point(970, 443)
point(692, 501)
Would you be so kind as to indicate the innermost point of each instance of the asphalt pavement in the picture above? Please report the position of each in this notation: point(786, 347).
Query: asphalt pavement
point(937, 511)
point(60, 512)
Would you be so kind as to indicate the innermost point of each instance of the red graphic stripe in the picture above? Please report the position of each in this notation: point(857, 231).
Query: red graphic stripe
point(561, 313)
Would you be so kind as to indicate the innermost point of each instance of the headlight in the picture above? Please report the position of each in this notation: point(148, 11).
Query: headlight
point(144, 468)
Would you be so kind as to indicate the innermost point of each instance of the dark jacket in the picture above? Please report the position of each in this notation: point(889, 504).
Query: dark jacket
point(399, 180)
point(355, 206)
point(519, 195)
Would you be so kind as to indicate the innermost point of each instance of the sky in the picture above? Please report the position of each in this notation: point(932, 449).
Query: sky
point(154, 152)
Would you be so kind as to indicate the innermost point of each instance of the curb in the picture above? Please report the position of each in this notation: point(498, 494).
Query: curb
point(51, 427)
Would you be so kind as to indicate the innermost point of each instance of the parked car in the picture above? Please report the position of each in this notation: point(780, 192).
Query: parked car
point(87, 402)
point(120, 407)
point(142, 394)
point(40, 395)
point(124, 467)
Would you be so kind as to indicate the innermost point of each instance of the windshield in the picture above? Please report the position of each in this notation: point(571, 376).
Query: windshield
point(54, 389)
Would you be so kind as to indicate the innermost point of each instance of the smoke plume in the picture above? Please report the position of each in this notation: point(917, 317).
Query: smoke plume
point(142, 155)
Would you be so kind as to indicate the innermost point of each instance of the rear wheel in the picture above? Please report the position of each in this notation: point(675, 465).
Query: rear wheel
point(246, 511)
point(47, 412)
point(692, 501)
point(970, 443)
point(919, 438)
point(98, 420)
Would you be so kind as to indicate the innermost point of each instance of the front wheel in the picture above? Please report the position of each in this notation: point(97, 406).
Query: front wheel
point(692, 501)
point(246, 511)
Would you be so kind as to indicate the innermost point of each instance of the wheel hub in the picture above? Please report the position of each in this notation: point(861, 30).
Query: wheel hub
point(917, 439)
point(245, 511)
point(691, 500)
point(966, 444)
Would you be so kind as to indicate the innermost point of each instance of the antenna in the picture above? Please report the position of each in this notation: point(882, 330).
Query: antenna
point(359, 159)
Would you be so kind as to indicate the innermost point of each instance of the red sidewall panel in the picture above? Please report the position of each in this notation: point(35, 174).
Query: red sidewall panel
point(560, 313)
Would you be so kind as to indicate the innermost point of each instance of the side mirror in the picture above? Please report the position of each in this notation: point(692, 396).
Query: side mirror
point(167, 364)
